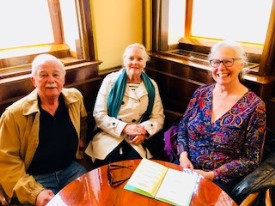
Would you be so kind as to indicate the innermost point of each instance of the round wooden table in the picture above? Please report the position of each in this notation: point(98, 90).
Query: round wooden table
point(93, 189)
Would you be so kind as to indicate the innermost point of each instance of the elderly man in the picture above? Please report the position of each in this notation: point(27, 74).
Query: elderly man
point(40, 136)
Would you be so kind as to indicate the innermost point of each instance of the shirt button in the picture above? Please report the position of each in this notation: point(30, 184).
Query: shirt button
point(113, 123)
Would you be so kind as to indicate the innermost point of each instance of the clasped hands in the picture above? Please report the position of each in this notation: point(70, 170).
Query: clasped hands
point(186, 163)
point(135, 133)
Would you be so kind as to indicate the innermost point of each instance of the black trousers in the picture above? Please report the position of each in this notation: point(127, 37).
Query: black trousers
point(123, 151)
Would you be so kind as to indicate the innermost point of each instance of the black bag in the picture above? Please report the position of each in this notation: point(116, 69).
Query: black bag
point(262, 177)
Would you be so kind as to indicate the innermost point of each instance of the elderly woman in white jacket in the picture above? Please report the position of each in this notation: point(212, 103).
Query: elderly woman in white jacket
point(127, 111)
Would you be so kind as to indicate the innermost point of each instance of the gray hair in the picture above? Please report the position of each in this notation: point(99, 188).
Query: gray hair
point(139, 46)
point(41, 59)
point(232, 45)
point(239, 50)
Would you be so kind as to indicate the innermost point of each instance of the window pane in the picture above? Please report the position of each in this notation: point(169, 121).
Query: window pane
point(70, 25)
point(176, 21)
point(24, 23)
point(240, 20)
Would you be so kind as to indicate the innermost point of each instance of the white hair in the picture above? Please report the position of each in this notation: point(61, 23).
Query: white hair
point(41, 59)
point(232, 45)
point(139, 46)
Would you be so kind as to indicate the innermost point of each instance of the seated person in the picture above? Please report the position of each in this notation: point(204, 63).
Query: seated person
point(39, 136)
point(222, 132)
point(128, 109)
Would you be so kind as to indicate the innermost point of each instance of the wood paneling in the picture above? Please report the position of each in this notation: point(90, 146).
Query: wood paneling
point(177, 81)
point(83, 76)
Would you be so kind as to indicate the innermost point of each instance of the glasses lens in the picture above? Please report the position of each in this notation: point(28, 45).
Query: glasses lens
point(228, 62)
point(110, 177)
point(215, 62)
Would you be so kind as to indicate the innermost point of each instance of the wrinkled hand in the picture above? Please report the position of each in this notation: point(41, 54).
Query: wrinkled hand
point(44, 197)
point(139, 139)
point(185, 162)
point(208, 175)
point(136, 133)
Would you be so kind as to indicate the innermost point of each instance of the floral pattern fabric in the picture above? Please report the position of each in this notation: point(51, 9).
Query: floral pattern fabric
point(232, 145)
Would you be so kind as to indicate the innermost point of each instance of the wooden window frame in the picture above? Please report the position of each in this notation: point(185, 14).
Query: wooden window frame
point(17, 61)
point(160, 38)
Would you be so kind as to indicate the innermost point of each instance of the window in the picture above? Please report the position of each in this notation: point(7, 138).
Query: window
point(203, 23)
point(33, 26)
point(207, 21)
point(30, 27)
point(234, 19)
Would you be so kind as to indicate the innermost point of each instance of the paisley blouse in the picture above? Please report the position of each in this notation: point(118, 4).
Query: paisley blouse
point(232, 145)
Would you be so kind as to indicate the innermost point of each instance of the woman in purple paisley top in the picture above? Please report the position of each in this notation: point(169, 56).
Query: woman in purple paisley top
point(222, 132)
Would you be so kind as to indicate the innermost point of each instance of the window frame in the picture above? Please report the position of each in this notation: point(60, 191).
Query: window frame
point(160, 13)
point(17, 61)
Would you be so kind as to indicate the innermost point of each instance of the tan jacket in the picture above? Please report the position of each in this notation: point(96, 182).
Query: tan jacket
point(133, 106)
point(19, 129)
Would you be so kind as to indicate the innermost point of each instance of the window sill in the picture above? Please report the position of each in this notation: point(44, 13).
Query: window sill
point(26, 68)
point(196, 41)
point(16, 62)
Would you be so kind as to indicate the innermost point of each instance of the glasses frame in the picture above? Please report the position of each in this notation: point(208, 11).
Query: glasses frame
point(222, 61)
point(110, 177)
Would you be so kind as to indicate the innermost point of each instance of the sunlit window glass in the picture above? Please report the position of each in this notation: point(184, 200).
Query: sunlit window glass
point(24, 23)
point(70, 24)
point(240, 20)
point(176, 21)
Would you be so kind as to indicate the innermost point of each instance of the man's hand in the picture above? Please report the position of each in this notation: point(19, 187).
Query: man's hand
point(44, 197)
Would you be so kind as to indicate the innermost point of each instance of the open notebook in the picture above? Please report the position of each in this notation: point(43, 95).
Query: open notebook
point(165, 184)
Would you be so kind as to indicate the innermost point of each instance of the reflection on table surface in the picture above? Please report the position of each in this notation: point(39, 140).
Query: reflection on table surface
point(93, 189)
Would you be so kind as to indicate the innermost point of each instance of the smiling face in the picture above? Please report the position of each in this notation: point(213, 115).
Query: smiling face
point(49, 78)
point(222, 74)
point(134, 61)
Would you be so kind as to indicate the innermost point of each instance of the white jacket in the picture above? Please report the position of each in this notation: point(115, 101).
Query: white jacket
point(133, 106)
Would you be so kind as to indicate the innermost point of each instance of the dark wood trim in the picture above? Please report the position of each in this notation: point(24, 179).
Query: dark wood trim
point(56, 18)
point(86, 29)
point(155, 24)
point(267, 63)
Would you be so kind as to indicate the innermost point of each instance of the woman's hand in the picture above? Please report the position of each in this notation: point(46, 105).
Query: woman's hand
point(134, 129)
point(136, 133)
point(208, 175)
point(185, 162)
point(138, 139)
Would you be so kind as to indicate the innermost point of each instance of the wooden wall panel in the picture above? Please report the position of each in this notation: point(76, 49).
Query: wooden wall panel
point(177, 81)
point(82, 76)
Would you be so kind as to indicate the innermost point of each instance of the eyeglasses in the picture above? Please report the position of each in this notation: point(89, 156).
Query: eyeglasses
point(226, 62)
point(110, 177)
